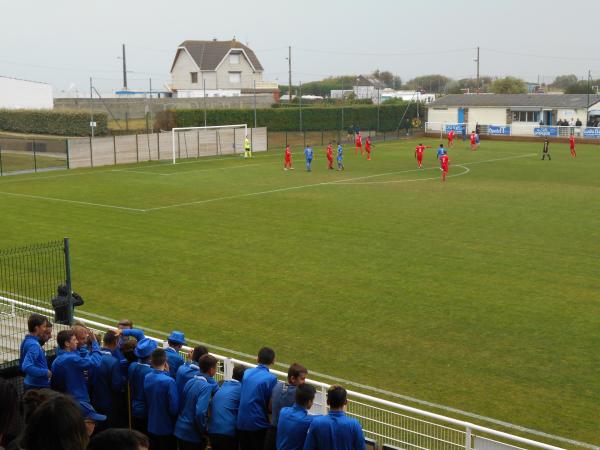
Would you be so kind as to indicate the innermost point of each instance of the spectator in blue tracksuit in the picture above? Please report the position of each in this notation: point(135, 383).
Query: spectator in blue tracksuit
point(224, 411)
point(69, 366)
point(335, 431)
point(283, 395)
point(257, 387)
point(106, 384)
point(163, 403)
point(308, 154)
point(32, 356)
point(137, 374)
point(125, 332)
point(189, 368)
point(191, 429)
point(294, 420)
point(176, 340)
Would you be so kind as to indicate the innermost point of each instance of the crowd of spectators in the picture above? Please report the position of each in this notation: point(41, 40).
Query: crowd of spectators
point(128, 393)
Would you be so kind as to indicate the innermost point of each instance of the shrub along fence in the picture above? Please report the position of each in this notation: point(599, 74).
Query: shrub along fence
point(60, 123)
point(382, 118)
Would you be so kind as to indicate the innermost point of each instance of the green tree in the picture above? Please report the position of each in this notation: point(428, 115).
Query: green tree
point(429, 83)
point(581, 87)
point(564, 81)
point(508, 85)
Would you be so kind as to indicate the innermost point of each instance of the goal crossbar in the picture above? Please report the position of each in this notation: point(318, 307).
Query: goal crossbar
point(176, 130)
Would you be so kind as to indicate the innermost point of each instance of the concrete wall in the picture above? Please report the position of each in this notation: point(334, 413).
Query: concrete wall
point(449, 115)
point(22, 94)
point(487, 116)
point(136, 107)
point(104, 151)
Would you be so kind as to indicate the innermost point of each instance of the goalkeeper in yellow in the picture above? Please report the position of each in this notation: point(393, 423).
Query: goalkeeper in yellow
point(247, 148)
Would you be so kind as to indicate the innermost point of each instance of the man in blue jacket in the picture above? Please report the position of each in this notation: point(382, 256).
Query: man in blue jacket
point(69, 366)
point(335, 431)
point(176, 340)
point(189, 368)
point(253, 414)
point(32, 356)
point(163, 403)
point(136, 374)
point(106, 383)
point(192, 424)
point(224, 411)
point(294, 421)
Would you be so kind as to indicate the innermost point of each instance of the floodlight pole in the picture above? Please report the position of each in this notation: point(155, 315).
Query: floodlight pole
point(204, 89)
point(300, 99)
point(290, 73)
point(254, 105)
point(91, 107)
point(587, 110)
point(342, 103)
point(477, 61)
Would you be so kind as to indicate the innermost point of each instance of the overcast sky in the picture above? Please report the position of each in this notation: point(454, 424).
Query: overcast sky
point(64, 42)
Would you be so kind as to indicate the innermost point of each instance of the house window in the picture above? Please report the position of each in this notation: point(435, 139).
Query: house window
point(234, 58)
point(194, 76)
point(526, 116)
point(235, 77)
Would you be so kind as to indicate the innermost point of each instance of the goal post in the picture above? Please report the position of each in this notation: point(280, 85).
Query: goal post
point(188, 146)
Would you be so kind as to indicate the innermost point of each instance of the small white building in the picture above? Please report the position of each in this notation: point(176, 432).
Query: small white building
point(511, 109)
point(23, 94)
point(216, 69)
point(407, 96)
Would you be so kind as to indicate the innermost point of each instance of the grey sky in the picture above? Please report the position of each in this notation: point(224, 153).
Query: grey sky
point(64, 42)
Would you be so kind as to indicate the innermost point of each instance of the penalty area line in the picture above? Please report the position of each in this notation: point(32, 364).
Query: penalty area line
point(75, 202)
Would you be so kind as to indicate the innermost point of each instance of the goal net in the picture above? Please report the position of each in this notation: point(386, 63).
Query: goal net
point(195, 142)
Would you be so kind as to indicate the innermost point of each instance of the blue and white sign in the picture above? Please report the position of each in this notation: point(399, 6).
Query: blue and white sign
point(546, 131)
point(499, 130)
point(457, 127)
point(591, 132)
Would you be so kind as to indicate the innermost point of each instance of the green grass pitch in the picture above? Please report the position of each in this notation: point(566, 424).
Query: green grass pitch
point(482, 293)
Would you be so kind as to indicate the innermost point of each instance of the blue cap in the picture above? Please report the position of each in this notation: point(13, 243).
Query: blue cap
point(145, 348)
point(177, 337)
point(89, 413)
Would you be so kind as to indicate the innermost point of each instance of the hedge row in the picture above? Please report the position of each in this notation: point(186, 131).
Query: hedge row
point(313, 118)
point(62, 123)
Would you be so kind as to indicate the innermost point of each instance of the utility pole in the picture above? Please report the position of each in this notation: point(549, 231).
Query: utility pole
point(477, 61)
point(290, 73)
point(587, 110)
point(342, 103)
point(300, 98)
point(254, 104)
point(204, 89)
point(124, 70)
point(91, 107)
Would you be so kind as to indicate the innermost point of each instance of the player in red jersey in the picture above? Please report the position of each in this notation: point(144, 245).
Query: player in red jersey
point(473, 141)
point(288, 158)
point(358, 144)
point(450, 138)
point(445, 161)
point(330, 156)
point(572, 145)
point(368, 147)
point(419, 149)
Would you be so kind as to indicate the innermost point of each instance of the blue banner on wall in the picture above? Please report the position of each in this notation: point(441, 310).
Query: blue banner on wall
point(591, 132)
point(546, 131)
point(457, 127)
point(499, 130)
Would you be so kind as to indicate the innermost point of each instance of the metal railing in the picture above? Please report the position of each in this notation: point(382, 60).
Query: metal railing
point(514, 129)
point(386, 422)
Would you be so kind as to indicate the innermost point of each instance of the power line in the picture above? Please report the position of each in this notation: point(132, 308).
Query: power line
point(530, 55)
point(345, 53)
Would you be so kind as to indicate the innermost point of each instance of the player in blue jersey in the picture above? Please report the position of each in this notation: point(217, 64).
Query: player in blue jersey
point(440, 153)
point(340, 157)
point(308, 153)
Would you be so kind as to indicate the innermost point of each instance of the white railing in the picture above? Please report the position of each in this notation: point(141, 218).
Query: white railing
point(514, 129)
point(386, 422)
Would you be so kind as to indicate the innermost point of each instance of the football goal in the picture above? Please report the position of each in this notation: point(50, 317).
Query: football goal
point(194, 142)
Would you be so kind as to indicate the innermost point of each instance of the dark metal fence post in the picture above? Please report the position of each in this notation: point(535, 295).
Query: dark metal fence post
point(115, 148)
point(304, 137)
point(322, 143)
point(234, 142)
point(137, 150)
point(267, 134)
point(68, 279)
point(251, 139)
point(198, 141)
point(68, 153)
point(286, 139)
point(91, 154)
point(158, 144)
point(1, 168)
point(34, 157)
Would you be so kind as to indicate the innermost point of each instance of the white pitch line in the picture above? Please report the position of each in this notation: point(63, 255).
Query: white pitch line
point(466, 171)
point(76, 202)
